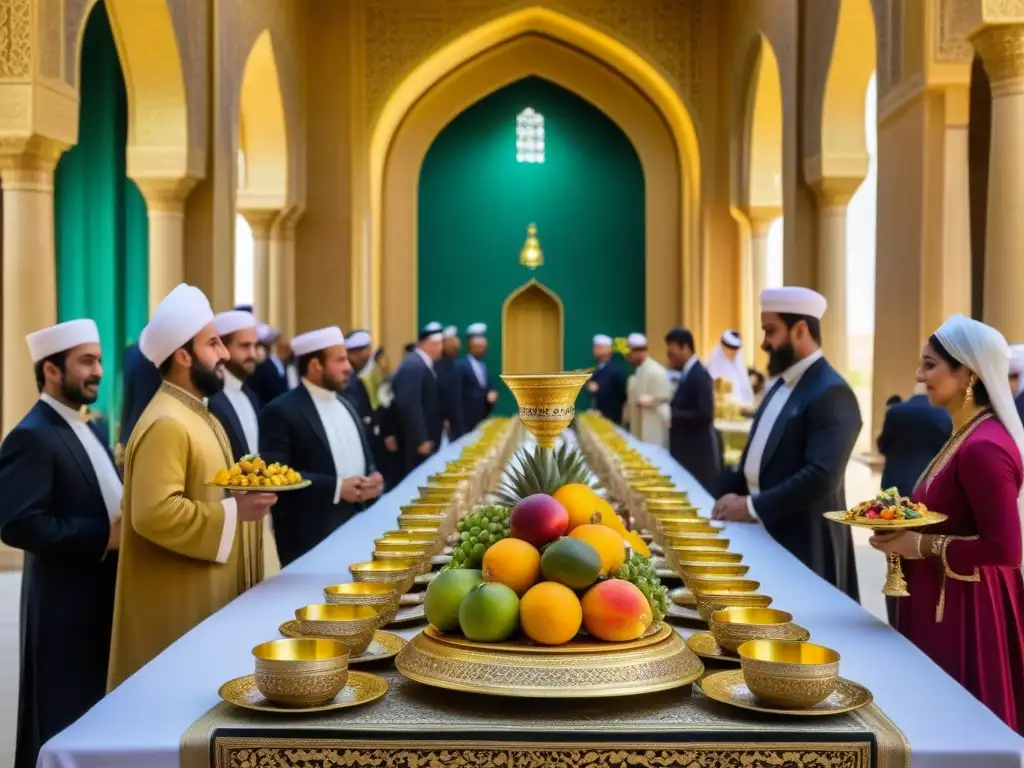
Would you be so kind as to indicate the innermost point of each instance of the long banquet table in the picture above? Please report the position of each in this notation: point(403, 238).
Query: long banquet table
point(140, 725)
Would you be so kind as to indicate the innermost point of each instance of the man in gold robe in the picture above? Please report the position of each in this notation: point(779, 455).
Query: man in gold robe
point(186, 551)
point(648, 393)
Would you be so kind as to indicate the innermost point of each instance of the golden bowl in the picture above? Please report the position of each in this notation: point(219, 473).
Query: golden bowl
point(698, 584)
point(426, 509)
point(407, 522)
point(716, 600)
point(427, 533)
point(547, 401)
point(686, 524)
point(452, 480)
point(700, 554)
point(659, 508)
point(383, 597)
point(662, 492)
point(732, 627)
point(423, 530)
point(352, 625)
point(422, 557)
point(401, 573)
point(436, 494)
point(300, 672)
point(406, 547)
point(685, 540)
point(789, 674)
point(702, 570)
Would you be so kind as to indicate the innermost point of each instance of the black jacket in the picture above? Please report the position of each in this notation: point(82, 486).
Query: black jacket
point(221, 407)
point(475, 407)
point(416, 409)
point(141, 381)
point(913, 433)
point(692, 439)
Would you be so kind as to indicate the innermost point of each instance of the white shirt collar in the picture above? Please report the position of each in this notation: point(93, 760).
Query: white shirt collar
point(232, 382)
point(425, 358)
point(69, 414)
point(319, 393)
point(795, 372)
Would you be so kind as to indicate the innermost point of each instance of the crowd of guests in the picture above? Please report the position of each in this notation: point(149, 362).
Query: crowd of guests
point(130, 555)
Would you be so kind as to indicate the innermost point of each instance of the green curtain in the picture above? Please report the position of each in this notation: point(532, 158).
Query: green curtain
point(587, 199)
point(102, 230)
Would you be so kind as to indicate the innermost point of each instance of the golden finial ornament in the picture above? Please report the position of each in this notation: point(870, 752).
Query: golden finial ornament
point(531, 256)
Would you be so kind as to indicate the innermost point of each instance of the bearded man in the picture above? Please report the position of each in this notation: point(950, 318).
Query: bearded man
point(186, 551)
point(62, 508)
point(237, 406)
point(794, 465)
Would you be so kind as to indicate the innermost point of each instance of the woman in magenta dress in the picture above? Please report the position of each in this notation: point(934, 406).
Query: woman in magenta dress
point(966, 604)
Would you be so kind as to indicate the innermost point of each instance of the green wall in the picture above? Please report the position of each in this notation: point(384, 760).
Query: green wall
point(101, 225)
point(587, 199)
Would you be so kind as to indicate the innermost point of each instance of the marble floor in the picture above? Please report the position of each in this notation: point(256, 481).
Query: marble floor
point(860, 483)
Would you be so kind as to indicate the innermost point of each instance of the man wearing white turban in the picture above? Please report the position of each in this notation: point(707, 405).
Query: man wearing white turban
point(648, 393)
point(726, 363)
point(794, 466)
point(607, 385)
point(237, 406)
point(186, 551)
point(62, 508)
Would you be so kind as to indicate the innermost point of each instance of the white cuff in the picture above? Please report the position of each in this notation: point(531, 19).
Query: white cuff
point(337, 490)
point(227, 534)
point(750, 508)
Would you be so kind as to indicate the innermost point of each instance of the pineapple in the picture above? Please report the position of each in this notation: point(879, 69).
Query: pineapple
point(544, 471)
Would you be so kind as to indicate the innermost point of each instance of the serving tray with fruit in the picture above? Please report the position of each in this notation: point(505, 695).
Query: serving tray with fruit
point(252, 473)
point(887, 510)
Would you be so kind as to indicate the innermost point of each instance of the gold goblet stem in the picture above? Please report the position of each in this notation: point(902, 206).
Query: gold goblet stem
point(895, 583)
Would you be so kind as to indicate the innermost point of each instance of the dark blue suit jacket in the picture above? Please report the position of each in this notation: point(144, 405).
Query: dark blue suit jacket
point(803, 471)
point(692, 439)
point(913, 433)
point(416, 409)
point(610, 397)
point(221, 407)
point(291, 433)
point(54, 511)
point(451, 391)
point(475, 407)
point(268, 382)
point(141, 381)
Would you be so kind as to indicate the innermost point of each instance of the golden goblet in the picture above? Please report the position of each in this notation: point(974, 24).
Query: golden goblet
point(300, 672)
point(787, 673)
point(547, 401)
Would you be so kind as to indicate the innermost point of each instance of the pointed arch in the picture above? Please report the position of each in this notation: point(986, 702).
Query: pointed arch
point(468, 52)
point(263, 133)
point(551, 308)
point(764, 133)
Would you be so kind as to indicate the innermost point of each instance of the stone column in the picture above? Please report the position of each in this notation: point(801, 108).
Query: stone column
point(165, 203)
point(261, 221)
point(1001, 48)
point(29, 265)
point(760, 222)
point(833, 197)
point(281, 292)
point(954, 280)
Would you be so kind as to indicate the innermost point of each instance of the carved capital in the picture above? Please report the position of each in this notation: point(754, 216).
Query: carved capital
point(761, 219)
point(836, 191)
point(28, 162)
point(1001, 48)
point(166, 195)
point(284, 225)
point(260, 220)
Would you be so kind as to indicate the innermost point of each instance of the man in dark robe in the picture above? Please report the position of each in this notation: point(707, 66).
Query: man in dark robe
point(607, 385)
point(140, 380)
point(62, 506)
point(913, 433)
point(793, 468)
point(478, 393)
point(314, 430)
point(417, 404)
point(360, 356)
point(449, 383)
point(237, 406)
point(277, 373)
point(692, 439)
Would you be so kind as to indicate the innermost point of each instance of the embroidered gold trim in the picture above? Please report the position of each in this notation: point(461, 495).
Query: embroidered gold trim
point(948, 573)
point(950, 448)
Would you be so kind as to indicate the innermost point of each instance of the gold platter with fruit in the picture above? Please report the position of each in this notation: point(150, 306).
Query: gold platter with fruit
point(548, 593)
point(252, 473)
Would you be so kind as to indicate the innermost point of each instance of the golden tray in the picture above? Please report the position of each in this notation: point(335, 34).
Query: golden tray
point(262, 488)
point(579, 669)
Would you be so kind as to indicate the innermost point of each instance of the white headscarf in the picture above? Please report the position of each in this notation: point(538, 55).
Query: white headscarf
point(984, 350)
point(735, 370)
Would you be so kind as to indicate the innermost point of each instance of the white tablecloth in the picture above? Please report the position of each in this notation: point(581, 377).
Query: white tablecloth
point(141, 723)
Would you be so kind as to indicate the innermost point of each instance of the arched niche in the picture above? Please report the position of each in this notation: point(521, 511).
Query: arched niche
point(532, 330)
point(666, 285)
point(262, 131)
point(595, 66)
point(764, 133)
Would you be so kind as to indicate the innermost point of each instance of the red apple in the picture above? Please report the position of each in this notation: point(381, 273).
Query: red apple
point(539, 519)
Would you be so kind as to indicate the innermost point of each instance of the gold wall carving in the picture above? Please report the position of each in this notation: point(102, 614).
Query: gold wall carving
point(401, 33)
point(1001, 48)
point(15, 38)
point(953, 23)
point(75, 13)
point(329, 753)
point(48, 31)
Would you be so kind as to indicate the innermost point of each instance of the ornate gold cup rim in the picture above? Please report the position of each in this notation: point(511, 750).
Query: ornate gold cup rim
point(547, 401)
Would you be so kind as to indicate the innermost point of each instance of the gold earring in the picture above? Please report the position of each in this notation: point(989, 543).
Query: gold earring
point(969, 393)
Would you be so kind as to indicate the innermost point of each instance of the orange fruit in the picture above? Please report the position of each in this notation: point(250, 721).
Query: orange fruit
point(550, 613)
point(580, 502)
point(637, 544)
point(606, 541)
point(512, 562)
point(616, 611)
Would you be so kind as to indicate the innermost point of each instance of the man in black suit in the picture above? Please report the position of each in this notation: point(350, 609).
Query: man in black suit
point(419, 420)
point(315, 431)
point(141, 380)
point(277, 373)
point(692, 439)
point(237, 406)
point(62, 507)
point(913, 432)
point(449, 383)
point(478, 395)
point(794, 465)
point(607, 385)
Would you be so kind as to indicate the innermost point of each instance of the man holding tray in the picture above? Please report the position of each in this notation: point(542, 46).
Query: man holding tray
point(184, 550)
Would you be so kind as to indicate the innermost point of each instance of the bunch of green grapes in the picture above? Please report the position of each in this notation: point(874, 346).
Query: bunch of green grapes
point(637, 570)
point(477, 531)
